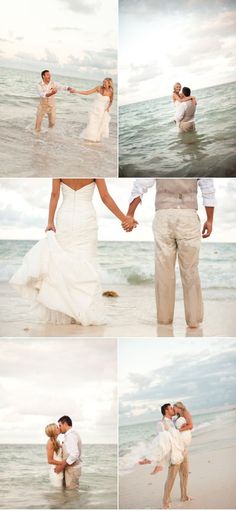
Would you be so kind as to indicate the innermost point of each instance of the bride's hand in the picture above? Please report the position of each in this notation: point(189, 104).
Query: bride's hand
point(50, 227)
point(129, 223)
point(72, 90)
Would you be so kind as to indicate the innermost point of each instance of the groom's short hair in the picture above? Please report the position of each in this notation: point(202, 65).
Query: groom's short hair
point(66, 419)
point(186, 91)
point(164, 408)
point(43, 72)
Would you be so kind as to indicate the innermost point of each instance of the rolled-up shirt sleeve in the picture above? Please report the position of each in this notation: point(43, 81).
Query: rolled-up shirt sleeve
point(140, 187)
point(208, 191)
point(72, 448)
point(160, 427)
point(61, 87)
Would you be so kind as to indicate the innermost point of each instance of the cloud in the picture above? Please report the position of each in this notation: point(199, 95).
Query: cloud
point(62, 29)
point(42, 380)
point(204, 381)
point(95, 60)
point(83, 6)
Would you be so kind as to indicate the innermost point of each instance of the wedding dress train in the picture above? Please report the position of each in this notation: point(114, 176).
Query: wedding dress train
point(60, 274)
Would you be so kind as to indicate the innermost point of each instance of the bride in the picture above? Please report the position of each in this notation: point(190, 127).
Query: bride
point(60, 273)
point(54, 454)
point(99, 117)
point(169, 446)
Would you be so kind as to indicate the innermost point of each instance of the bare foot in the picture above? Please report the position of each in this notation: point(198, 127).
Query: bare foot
point(145, 461)
point(156, 470)
point(186, 499)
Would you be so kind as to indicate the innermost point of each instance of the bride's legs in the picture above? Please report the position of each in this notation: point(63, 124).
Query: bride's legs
point(183, 475)
point(157, 468)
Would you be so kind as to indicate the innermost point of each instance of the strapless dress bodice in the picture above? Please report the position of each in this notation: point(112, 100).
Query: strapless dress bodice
point(84, 194)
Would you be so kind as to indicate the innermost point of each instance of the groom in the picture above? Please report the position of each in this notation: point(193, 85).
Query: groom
point(185, 112)
point(72, 447)
point(47, 89)
point(183, 468)
point(177, 232)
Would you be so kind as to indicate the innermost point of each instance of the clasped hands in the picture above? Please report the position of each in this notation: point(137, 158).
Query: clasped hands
point(129, 223)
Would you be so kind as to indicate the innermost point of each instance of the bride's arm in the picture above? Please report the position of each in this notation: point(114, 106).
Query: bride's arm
point(110, 204)
point(182, 100)
point(50, 453)
point(87, 92)
point(189, 422)
point(53, 204)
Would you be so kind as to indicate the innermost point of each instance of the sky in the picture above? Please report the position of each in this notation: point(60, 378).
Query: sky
point(41, 380)
point(199, 373)
point(70, 37)
point(24, 210)
point(189, 41)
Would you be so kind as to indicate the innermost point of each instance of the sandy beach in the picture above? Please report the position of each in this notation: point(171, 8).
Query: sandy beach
point(131, 314)
point(211, 477)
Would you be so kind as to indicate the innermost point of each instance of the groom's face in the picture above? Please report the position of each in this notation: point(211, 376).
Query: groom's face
point(62, 427)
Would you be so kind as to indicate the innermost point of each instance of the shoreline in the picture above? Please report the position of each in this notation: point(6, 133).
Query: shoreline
point(131, 314)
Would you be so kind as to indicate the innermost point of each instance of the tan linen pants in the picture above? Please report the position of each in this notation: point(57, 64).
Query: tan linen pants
point(177, 232)
point(186, 126)
point(71, 477)
point(49, 109)
point(183, 469)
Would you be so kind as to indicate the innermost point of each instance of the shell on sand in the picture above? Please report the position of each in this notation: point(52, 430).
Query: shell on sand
point(112, 294)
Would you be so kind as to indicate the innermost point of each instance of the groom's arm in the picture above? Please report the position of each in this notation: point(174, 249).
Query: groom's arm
point(140, 187)
point(209, 201)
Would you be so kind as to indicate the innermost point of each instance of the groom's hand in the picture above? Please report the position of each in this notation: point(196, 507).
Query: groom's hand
point(59, 468)
point(129, 223)
point(207, 229)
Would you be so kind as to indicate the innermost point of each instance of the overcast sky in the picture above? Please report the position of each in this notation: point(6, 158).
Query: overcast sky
point(41, 380)
point(71, 37)
point(189, 41)
point(24, 210)
point(151, 373)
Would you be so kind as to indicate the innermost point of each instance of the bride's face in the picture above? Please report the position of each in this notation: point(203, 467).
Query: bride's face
point(178, 88)
point(58, 431)
point(176, 409)
point(105, 84)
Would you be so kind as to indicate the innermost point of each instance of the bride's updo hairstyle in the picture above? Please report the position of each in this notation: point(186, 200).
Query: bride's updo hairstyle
point(177, 83)
point(51, 432)
point(182, 407)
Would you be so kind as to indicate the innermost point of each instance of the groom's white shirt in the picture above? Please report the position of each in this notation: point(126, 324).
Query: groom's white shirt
point(141, 186)
point(73, 446)
point(45, 88)
point(181, 108)
point(164, 425)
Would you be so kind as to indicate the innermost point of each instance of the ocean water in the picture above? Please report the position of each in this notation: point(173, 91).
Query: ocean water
point(57, 152)
point(25, 481)
point(149, 145)
point(133, 438)
point(133, 263)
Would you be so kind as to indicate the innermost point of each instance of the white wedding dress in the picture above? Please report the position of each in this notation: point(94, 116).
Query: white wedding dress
point(60, 274)
point(56, 480)
point(99, 120)
point(169, 446)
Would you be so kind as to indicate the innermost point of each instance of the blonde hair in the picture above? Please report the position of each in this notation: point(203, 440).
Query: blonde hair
point(181, 405)
point(110, 82)
point(174, 91)
point(51, 432)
